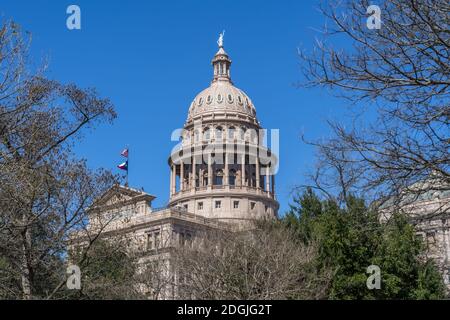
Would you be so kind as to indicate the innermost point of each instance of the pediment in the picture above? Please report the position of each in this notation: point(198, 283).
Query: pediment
point(120, 194)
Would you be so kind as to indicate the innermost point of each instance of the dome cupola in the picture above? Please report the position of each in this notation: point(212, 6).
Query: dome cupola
point(222, 97)
point(221, 63)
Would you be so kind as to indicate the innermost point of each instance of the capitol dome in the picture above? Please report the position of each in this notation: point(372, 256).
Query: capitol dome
point(221, 169)
point(221, 96)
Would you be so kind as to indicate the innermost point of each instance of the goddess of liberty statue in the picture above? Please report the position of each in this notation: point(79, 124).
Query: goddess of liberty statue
point(220, 41)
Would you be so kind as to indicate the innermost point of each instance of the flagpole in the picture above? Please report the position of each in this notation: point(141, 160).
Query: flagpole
point(125, 165)
point(128, 166)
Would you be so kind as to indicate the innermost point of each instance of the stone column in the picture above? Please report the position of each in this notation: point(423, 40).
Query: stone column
point(225, 171)
point(209, 171)
point(174, 181)
point(171, 180)
point(267, 179)
point(181, 175)
point(243, 170)
point(257, 174)
point(193, 173)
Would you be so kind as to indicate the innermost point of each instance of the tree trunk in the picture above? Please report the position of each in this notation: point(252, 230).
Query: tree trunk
point(25, 261)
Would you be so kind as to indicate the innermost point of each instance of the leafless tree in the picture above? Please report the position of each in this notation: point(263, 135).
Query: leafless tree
point(265, 263)
point(402, 71)
point(44, 189)
point(108, 271)
point(155, 277)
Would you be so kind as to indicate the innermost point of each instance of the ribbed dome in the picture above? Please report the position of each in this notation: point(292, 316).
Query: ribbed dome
point(224, 97)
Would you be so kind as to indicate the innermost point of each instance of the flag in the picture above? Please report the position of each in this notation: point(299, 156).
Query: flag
point(123, 166)
point(124, 153)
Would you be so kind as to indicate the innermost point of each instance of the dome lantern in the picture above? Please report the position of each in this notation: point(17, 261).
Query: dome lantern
point(221, 63)
point(222, 98)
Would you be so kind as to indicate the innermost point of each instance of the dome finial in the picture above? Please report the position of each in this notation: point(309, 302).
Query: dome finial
point(220, 41)
point(221, 62)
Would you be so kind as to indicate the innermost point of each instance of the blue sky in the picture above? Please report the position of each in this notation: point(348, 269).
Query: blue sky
point(152, 57)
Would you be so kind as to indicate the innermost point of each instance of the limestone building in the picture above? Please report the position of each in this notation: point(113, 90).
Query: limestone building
point(428, 208)
point(222, 176)
point(431, 216)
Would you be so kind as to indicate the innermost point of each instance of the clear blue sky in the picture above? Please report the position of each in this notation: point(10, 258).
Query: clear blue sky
point(152, 57)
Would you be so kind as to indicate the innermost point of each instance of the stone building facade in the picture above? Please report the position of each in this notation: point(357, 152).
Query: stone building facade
point(222, 176)
point(429, 212)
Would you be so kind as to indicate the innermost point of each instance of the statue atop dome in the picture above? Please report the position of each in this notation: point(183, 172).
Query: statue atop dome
point(220, 41)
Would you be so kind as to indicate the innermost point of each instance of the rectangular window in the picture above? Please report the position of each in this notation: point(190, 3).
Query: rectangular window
point(157, 240)
point(420, 236)
point(235, 204)
point(186, 207)
point(188, 239)
point(153, 240)
point(185, 237)
point(252, 205)
point(150, 242)
point(200, 206)
point(218, 204)
point(182, 239)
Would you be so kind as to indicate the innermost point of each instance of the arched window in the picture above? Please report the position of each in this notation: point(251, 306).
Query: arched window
point(231, 131)
point(196, 136)
point(252, 136)
point(219, 134)
point(242, 133)
point(206, 134)
point(218, 179)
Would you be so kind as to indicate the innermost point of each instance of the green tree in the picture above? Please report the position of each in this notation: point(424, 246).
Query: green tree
point(351, 238)
point(107, 272)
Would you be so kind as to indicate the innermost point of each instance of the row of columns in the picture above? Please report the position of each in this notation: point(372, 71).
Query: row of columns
point(193, 174)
